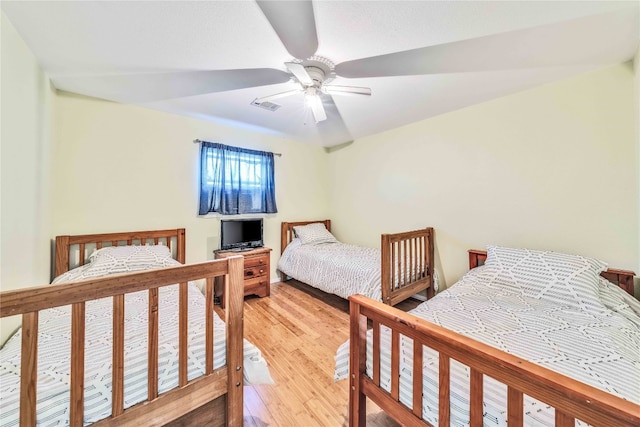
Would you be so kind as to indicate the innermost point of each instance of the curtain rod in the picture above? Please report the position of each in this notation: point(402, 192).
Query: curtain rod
point(198, 141)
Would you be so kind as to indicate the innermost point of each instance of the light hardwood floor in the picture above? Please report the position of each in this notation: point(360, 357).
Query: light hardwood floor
point(299, 330)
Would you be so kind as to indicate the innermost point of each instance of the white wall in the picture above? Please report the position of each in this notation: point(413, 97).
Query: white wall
point(551, 168)
point(120, 167)
point(25, 228)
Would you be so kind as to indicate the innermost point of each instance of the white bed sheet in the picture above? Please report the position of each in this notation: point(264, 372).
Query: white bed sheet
point(335, 268)
point(598, 347)
point(54, 337)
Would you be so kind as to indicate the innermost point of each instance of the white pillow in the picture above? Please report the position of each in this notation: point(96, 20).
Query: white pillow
point(122, 259)
point(159, 251)
point(73, 275)
point(313, 234)
point(563, 278)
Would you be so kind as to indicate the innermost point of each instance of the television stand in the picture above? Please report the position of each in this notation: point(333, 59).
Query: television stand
point(257, 271)
point(245, 249)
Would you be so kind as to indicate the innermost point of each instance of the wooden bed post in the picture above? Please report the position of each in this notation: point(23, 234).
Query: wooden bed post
point(476, 258)
point(76, 391)
point(385, 274)
point(62, 255)
point(431, 292)
point(29, 369)
point(283, 236)
point(234, 303)
point(284, 229)
point(357, 366)
point(180, 256)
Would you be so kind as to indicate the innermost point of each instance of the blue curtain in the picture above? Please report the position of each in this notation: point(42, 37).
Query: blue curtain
point(236, 180)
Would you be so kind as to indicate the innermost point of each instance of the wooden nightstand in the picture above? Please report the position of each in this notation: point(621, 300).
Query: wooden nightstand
point(257, 271)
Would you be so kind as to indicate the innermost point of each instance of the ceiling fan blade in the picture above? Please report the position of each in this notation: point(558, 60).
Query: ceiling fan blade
point(564, 43)
point(149, 87)
point(277, 95)
point(346, 90)
point(315, 103)
point(300, 72)
point(333, 130)
point(295, 24)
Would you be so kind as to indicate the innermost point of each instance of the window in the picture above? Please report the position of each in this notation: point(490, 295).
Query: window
point(236, 180)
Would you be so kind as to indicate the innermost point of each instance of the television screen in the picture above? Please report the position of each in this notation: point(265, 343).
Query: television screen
point(241, 234)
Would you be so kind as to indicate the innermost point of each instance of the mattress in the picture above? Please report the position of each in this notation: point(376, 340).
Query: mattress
point(335, 268)
point(597, 346)
point(54, 337)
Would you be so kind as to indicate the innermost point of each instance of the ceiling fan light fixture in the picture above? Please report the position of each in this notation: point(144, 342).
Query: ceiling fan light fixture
point(313, 101)
point(311, 76)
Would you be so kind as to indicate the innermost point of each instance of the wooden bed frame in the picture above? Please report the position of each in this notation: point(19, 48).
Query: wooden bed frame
point(570, 398)
point(402, 253)
point(215, 398)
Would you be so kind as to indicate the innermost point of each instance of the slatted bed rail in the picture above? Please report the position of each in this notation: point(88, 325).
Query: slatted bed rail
point(570, 398)
point(407, 265)
point(159, 409)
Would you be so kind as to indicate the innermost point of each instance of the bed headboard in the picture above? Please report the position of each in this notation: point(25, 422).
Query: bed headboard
point(621, 278)
point(73, 251)
point(286, 231)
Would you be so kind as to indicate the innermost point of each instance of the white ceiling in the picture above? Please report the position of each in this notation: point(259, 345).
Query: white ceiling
point(480, 50)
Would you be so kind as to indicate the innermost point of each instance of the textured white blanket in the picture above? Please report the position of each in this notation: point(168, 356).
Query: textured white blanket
point(335, 268)
point(598, 346)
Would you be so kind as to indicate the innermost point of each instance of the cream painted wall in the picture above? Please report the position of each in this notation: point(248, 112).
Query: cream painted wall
point(120, 167)
point(551, 168)
point(25, 165)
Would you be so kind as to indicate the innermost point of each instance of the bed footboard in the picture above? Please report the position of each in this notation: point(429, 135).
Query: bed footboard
point(570, 398)
point(158, 409)
point(407, 265)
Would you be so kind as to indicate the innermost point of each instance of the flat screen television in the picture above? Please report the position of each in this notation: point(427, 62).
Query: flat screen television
point(241, 234)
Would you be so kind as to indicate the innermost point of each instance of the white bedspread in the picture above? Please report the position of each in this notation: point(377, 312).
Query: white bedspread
point(53, 355)
point(335, 268)
point(600, 347)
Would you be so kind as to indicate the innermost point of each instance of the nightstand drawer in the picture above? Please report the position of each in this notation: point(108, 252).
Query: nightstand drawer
point(253, 285)
point(257, 261)
point(255, 271)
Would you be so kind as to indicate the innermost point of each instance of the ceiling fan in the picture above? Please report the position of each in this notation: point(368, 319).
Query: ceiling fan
point(294, 23)
point(312, 76)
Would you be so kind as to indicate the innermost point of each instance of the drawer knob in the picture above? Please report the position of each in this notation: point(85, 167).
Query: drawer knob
point(261, 261)
point(261, 271)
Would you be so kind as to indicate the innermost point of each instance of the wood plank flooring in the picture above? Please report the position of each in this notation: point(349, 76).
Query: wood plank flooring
point(299, 329)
